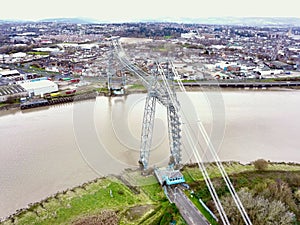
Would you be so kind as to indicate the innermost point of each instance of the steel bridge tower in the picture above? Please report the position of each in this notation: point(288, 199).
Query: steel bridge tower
point(159, 90)
point(168, 99)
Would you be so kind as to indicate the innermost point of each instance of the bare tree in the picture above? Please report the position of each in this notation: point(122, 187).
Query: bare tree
point(260, 210)
point(260, 164)
point(297, 195)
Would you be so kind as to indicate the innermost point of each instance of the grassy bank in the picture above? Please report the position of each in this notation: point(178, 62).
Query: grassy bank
point(131, 198)
point(136, 88)
point(90, 199)
point(106, 200)
point(193, 174)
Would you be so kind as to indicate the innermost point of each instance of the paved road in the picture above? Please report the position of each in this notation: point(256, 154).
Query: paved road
point(243, 84)
point(186, 208)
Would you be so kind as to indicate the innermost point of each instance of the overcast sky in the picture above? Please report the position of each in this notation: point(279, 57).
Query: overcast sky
point(128, 10)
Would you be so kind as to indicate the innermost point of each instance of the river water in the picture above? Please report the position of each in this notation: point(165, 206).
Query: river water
point(50, 149)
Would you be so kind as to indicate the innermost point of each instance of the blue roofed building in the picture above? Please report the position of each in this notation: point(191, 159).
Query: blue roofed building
point(169, 176)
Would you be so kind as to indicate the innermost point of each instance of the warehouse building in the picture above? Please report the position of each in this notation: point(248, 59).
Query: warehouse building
point(40, 87)
point(12, 92)
point(10, 75)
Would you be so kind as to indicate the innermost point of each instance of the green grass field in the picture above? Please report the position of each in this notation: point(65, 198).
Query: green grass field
point(81, 201)
point(136, 199)
point(137, 87)
point(103, 194)
point(38, 53)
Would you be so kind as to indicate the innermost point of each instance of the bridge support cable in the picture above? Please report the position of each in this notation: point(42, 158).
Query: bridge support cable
point(203, 170)
point(121, 56)
point(223, 172)
point(225, 176)
point(205, 175)
point(207, 179)
point(220, 166)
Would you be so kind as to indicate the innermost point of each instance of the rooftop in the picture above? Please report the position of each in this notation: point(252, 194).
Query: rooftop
point(11, 89)
point(168, 174)
point(38, 84)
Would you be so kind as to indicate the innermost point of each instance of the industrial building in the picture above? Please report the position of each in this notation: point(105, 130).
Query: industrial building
point(12, 92)
point(10, 75)
point(40, 87)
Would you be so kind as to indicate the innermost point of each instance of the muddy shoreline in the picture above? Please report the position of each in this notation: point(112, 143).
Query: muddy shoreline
point(93, 95)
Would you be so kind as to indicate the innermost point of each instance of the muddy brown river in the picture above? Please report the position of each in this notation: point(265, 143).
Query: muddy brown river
point(49, 149)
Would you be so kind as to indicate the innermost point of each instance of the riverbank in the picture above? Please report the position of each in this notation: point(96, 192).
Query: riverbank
point(130, 198)
point(79, 97)
point(109, 200)
point(138, 89)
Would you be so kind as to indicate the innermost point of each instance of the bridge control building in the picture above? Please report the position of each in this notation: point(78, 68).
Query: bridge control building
point(168, 176)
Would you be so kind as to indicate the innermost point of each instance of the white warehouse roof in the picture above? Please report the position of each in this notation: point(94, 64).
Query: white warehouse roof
point(9, 72)
point(40, 87)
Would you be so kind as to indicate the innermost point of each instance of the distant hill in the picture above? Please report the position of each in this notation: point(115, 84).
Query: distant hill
point(12, 21)
point(69, 20)
point(249, 21)
point(242, 21)
point(57, 20)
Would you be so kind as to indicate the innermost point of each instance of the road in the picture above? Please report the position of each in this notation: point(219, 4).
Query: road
point(186, 208)
point(243, 84)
